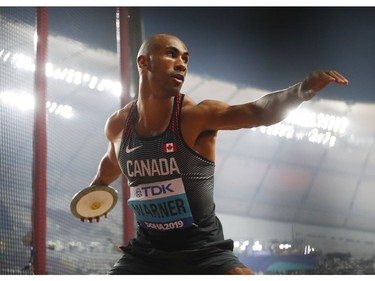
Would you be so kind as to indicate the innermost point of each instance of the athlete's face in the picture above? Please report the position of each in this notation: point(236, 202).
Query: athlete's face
point(167, 66)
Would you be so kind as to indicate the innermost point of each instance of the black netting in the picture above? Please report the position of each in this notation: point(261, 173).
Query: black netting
point(82, 92)
point(16, 127)
point(83, 82)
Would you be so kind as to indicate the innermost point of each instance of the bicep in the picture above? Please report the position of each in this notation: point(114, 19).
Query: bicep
point(111, 154)
point(113, 131)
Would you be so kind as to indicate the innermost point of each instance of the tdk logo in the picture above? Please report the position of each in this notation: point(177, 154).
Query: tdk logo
point(138, 192)
point(153, 190)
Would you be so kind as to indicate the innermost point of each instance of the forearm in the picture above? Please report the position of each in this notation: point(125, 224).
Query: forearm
point(108, 172)
point(275, 107)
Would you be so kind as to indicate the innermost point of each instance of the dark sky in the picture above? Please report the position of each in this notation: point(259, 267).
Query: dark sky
point(272, 48)
point(265, 47)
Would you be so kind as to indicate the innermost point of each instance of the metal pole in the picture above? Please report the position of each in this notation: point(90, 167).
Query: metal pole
point(40, 146)
point(125, 73)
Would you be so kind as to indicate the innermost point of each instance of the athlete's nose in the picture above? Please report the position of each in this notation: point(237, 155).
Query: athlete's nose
point(180, 65)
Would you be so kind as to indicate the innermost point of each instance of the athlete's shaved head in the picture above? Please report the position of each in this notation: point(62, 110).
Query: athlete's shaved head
point(151, 44)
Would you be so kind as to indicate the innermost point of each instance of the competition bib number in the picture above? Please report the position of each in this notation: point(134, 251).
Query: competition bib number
point(161, 205)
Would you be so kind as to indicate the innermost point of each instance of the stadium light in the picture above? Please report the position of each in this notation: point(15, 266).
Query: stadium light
point(257, 247)
point(308, 250)
point(19, 100)
point(285, 246)
point(25, 102)
point(69, 75)
point(6, 56)
point(236, 244)
point(244, 245)
point(314, 127)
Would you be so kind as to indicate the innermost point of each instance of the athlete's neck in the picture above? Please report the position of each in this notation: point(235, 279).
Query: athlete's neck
point(154, 115)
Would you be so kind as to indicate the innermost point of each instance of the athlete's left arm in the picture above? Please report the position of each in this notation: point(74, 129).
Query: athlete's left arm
point(267, 110)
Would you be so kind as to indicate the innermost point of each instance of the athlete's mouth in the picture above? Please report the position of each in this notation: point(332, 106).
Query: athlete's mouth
point(180, 78)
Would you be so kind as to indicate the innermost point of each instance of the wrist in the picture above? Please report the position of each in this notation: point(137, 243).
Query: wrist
point(97, 182)
point(304, 95)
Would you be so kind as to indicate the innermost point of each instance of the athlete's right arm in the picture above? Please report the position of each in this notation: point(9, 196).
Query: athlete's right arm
point(109, 169)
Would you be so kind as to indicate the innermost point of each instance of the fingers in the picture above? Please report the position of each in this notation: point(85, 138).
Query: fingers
point(338, 77)
point(334, 76)
point(90, 220)
point(318, 80)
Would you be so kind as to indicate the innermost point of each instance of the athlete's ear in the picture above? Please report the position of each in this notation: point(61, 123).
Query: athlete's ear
point(142, 62)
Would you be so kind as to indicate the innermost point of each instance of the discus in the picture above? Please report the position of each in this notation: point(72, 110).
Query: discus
point(93, 202)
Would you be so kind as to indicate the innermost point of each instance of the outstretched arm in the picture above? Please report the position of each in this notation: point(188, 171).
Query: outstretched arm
point(269, 109)
point(276, 106)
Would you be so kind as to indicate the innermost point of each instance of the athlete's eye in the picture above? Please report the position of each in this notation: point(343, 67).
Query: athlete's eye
point(170, 54)
point(185, 59)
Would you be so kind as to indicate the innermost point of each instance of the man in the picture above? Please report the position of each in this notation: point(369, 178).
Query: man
point(164, 143)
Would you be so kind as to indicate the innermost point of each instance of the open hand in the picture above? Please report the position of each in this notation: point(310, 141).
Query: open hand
point(319, 79)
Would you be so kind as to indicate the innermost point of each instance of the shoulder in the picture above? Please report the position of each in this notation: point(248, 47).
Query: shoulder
point(116, 122)
point(188, 102)
point(202, 108)
point(191, 106)
point(197, 116)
